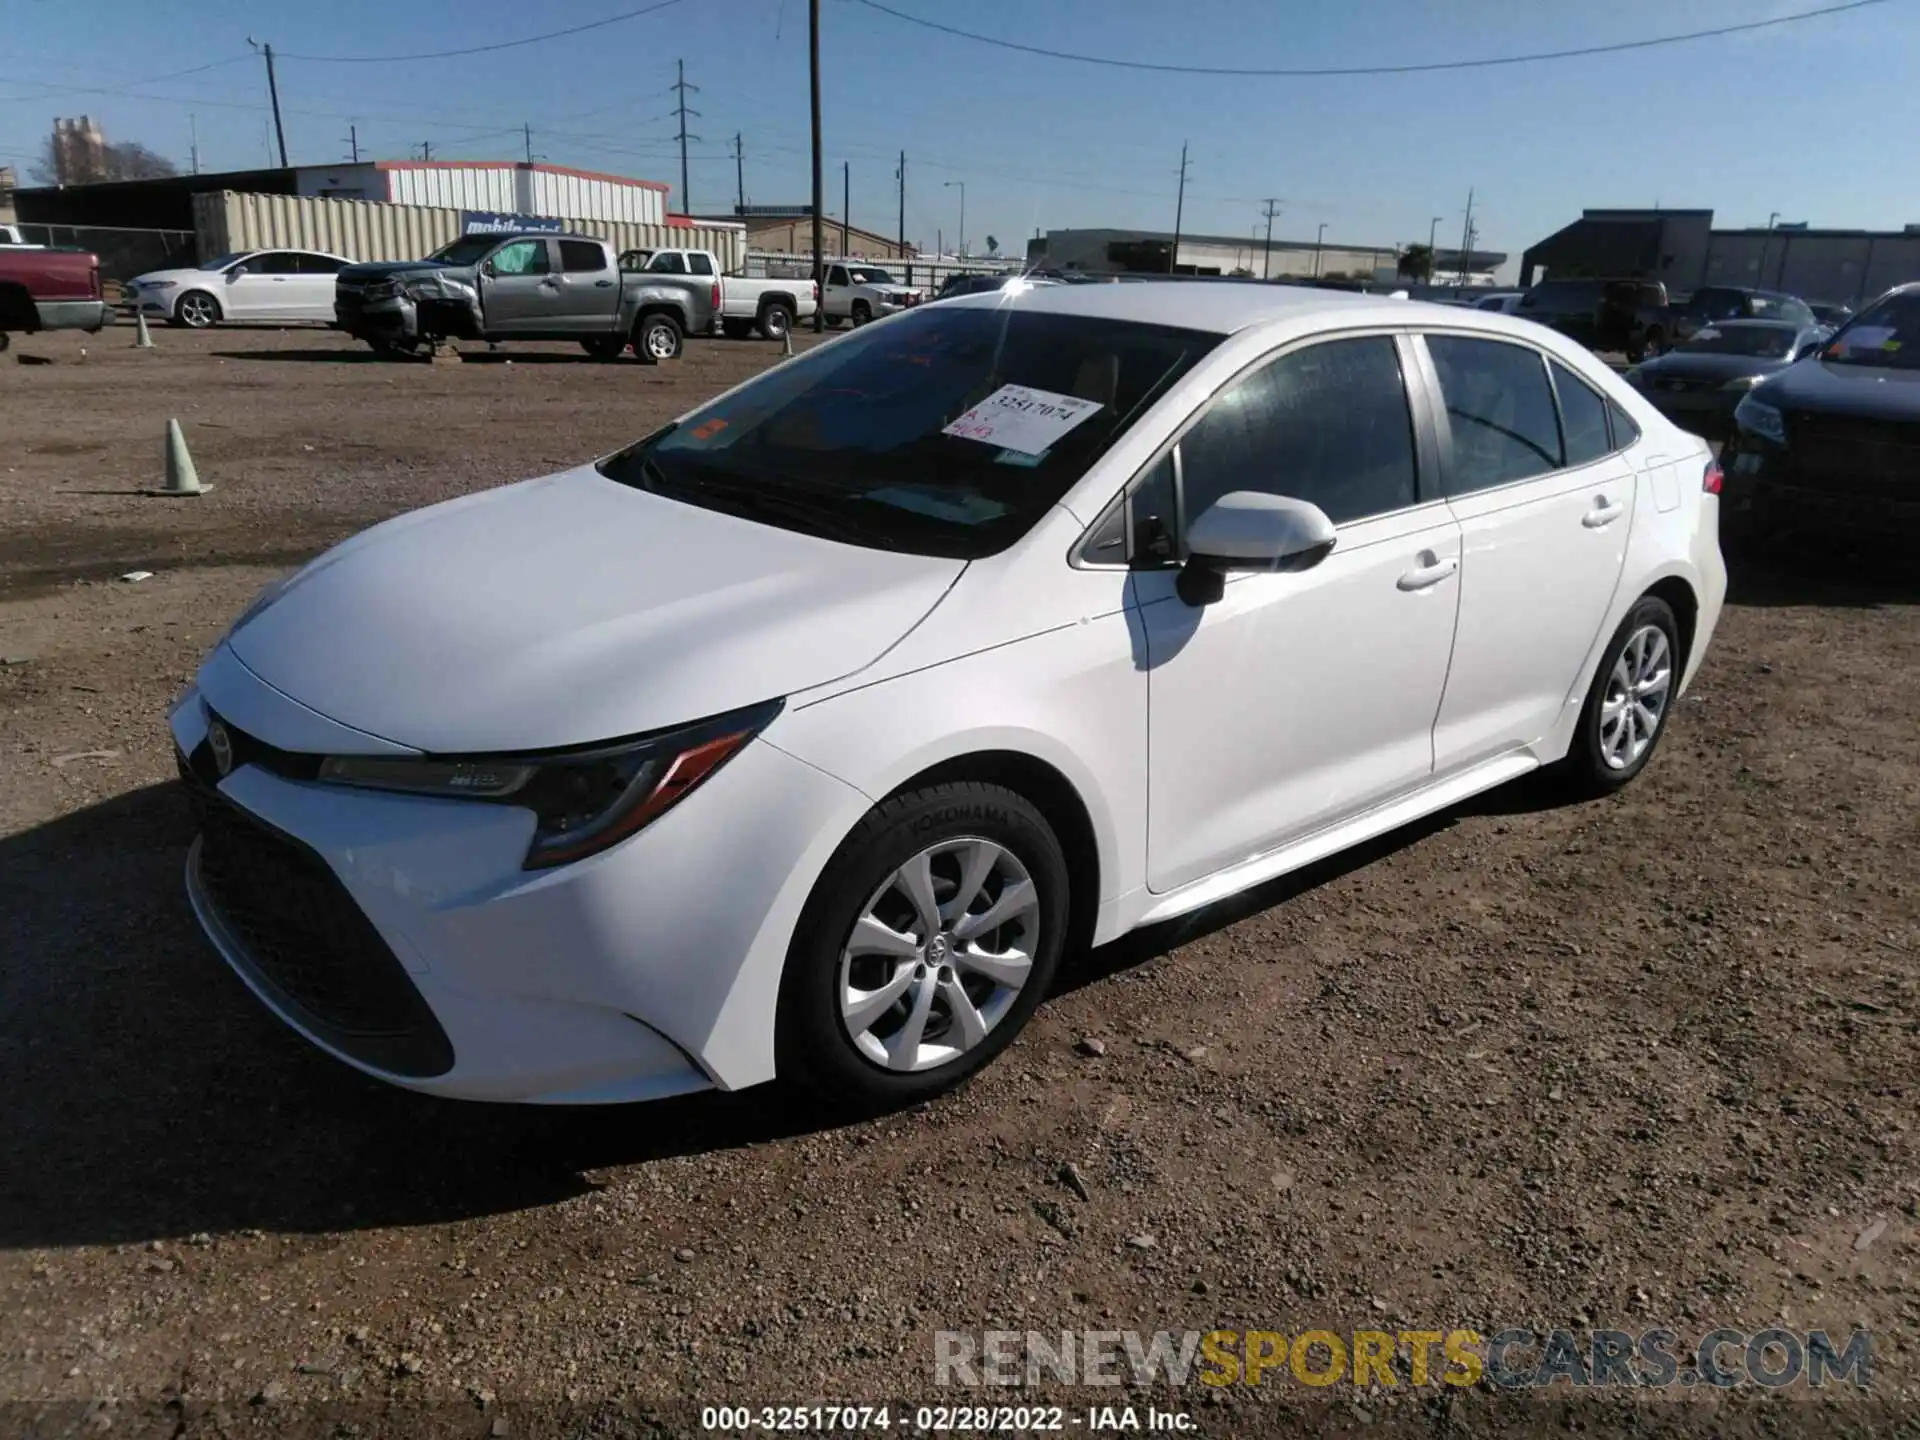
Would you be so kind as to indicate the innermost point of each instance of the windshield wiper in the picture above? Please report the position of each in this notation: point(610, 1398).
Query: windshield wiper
point(816, 515)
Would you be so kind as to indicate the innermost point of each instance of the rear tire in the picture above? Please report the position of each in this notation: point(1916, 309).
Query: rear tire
point(1628, 703)
point(776, 321)
point(884, 1004)
point(656, 338)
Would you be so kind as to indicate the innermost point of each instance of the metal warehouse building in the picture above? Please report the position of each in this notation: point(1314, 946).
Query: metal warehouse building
point(1682, 249)
point(501, 186)
point(1150, 252)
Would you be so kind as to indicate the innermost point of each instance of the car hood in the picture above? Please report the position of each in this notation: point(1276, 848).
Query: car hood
point(385, 269)
point(1875, 391)
point(1709, 366)
point(571, 610)
point(185, 276)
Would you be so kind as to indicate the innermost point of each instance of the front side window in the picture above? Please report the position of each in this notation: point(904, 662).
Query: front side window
point(581, 257)
point(948, 432)
point(1500, 410)
point(1583, 416)
point(1327, 423)
point(273, 262)
point(467, 250)
point(522, 257)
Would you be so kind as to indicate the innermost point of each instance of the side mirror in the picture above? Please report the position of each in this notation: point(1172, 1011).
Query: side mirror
point(1249, 530)
point(1812, 347)
point(236, 272)
point(488, 270)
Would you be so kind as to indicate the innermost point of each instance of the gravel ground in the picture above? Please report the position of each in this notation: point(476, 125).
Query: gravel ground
point(1644, 1061)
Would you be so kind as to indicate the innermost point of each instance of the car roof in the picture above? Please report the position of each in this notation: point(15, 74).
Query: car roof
point(1224, 306)
point(1756, 323)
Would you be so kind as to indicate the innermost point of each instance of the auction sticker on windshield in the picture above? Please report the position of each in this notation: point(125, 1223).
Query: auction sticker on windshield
point(1022, 420)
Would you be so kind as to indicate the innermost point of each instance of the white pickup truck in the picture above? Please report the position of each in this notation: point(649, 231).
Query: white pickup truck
point(861, 292)
point(768, 306)
point(12, 239)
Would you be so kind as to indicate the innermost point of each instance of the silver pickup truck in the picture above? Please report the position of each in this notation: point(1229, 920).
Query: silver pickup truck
point(523, 286)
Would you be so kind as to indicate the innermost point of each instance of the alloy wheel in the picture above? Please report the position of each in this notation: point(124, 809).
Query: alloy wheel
point(198, 311)
point(939, 954)
point(1635, 702)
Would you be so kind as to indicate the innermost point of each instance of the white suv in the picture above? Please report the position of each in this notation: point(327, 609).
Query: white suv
point(806, 735)
point(860, 292)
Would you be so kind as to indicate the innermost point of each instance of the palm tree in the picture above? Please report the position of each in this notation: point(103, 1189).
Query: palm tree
point(1416, 263)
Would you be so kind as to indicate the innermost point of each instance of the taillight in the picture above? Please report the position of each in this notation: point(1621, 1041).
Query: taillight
point(1710, 482)
point(715, 300)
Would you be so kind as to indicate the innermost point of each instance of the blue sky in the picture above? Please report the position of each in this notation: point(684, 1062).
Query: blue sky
point(1813, 120)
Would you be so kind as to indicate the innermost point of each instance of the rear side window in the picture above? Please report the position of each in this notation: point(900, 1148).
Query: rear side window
point(1583, 417)
point(1500, 410)
point(1328, 424)
point(580, 257)
point(319, 265)
point(700, 264)
point(1625, 432)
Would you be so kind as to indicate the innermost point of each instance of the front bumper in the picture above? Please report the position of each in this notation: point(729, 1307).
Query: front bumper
point(392, 317)
point(651, 969)
point(1812, 489)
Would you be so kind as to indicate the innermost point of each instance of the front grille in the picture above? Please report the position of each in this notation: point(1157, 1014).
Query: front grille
point(1869, 458)
point(308, 942)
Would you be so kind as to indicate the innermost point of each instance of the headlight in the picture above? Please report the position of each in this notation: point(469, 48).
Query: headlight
point(584, 800)
point(1762, 419)
point(1745, 382)
point(382, 290)
point(155, 284)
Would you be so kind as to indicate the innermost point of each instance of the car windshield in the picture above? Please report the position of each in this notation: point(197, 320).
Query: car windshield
point(467, 250)
point(1767, 342)
point(1886, 334)
point(949, 432)
point(220, 262)
point(867, 275)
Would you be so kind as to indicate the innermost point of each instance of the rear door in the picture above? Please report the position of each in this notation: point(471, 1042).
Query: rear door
point(314, 282)
point(589, 288)
point(1545, 505)
point(522, 292)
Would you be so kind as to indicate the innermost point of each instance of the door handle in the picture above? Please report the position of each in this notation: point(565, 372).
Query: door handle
point(1429, 572)
point(1604, 512)
point(602, 284)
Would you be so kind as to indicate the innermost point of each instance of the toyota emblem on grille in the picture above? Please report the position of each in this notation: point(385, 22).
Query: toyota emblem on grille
point(221, 744)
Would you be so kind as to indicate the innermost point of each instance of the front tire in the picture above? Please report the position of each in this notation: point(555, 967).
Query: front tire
point(862, 312)
point(197, 310)
point(1628, 703)
point(925, 947)
point(656, 338)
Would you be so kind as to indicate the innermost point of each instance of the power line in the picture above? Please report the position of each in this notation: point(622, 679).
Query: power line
point(483, 49)
point(1351, 70)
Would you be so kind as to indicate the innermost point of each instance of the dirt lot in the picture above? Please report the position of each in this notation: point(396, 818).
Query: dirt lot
point(1645, 1061)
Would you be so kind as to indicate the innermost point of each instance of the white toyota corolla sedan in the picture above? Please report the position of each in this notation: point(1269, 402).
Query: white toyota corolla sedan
point(804, 736)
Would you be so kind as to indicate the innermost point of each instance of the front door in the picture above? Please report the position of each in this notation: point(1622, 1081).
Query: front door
point(521, 292)
point(1299, 699)
point(256, 289)
point(1545, 501)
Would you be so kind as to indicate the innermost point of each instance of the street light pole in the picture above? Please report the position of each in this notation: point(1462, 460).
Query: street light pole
point(1433, 230)
point(1317, 240)
point(962, 186)
point(1266, 261)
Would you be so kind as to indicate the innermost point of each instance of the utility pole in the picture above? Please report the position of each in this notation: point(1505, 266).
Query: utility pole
point(1466, 240)
point(681, 85)
point(273, 94)
point(426, 150)
point(902, 177)
point(193, 141)
point(846, 203)
point(1179, 211)
point(819, 198)
point(960, 185)
point(353, 143)
point(526, 136)
point(1266, 265)
point(1318, 240)
point(739, 172)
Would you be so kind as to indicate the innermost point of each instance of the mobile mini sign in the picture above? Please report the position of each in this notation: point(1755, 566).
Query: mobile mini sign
point(492, 222)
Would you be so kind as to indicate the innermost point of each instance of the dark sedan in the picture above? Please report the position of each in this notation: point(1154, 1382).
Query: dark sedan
point(1831, 447)
point(1699, 384)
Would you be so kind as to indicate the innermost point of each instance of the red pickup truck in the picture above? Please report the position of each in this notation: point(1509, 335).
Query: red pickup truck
point(50, 290)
